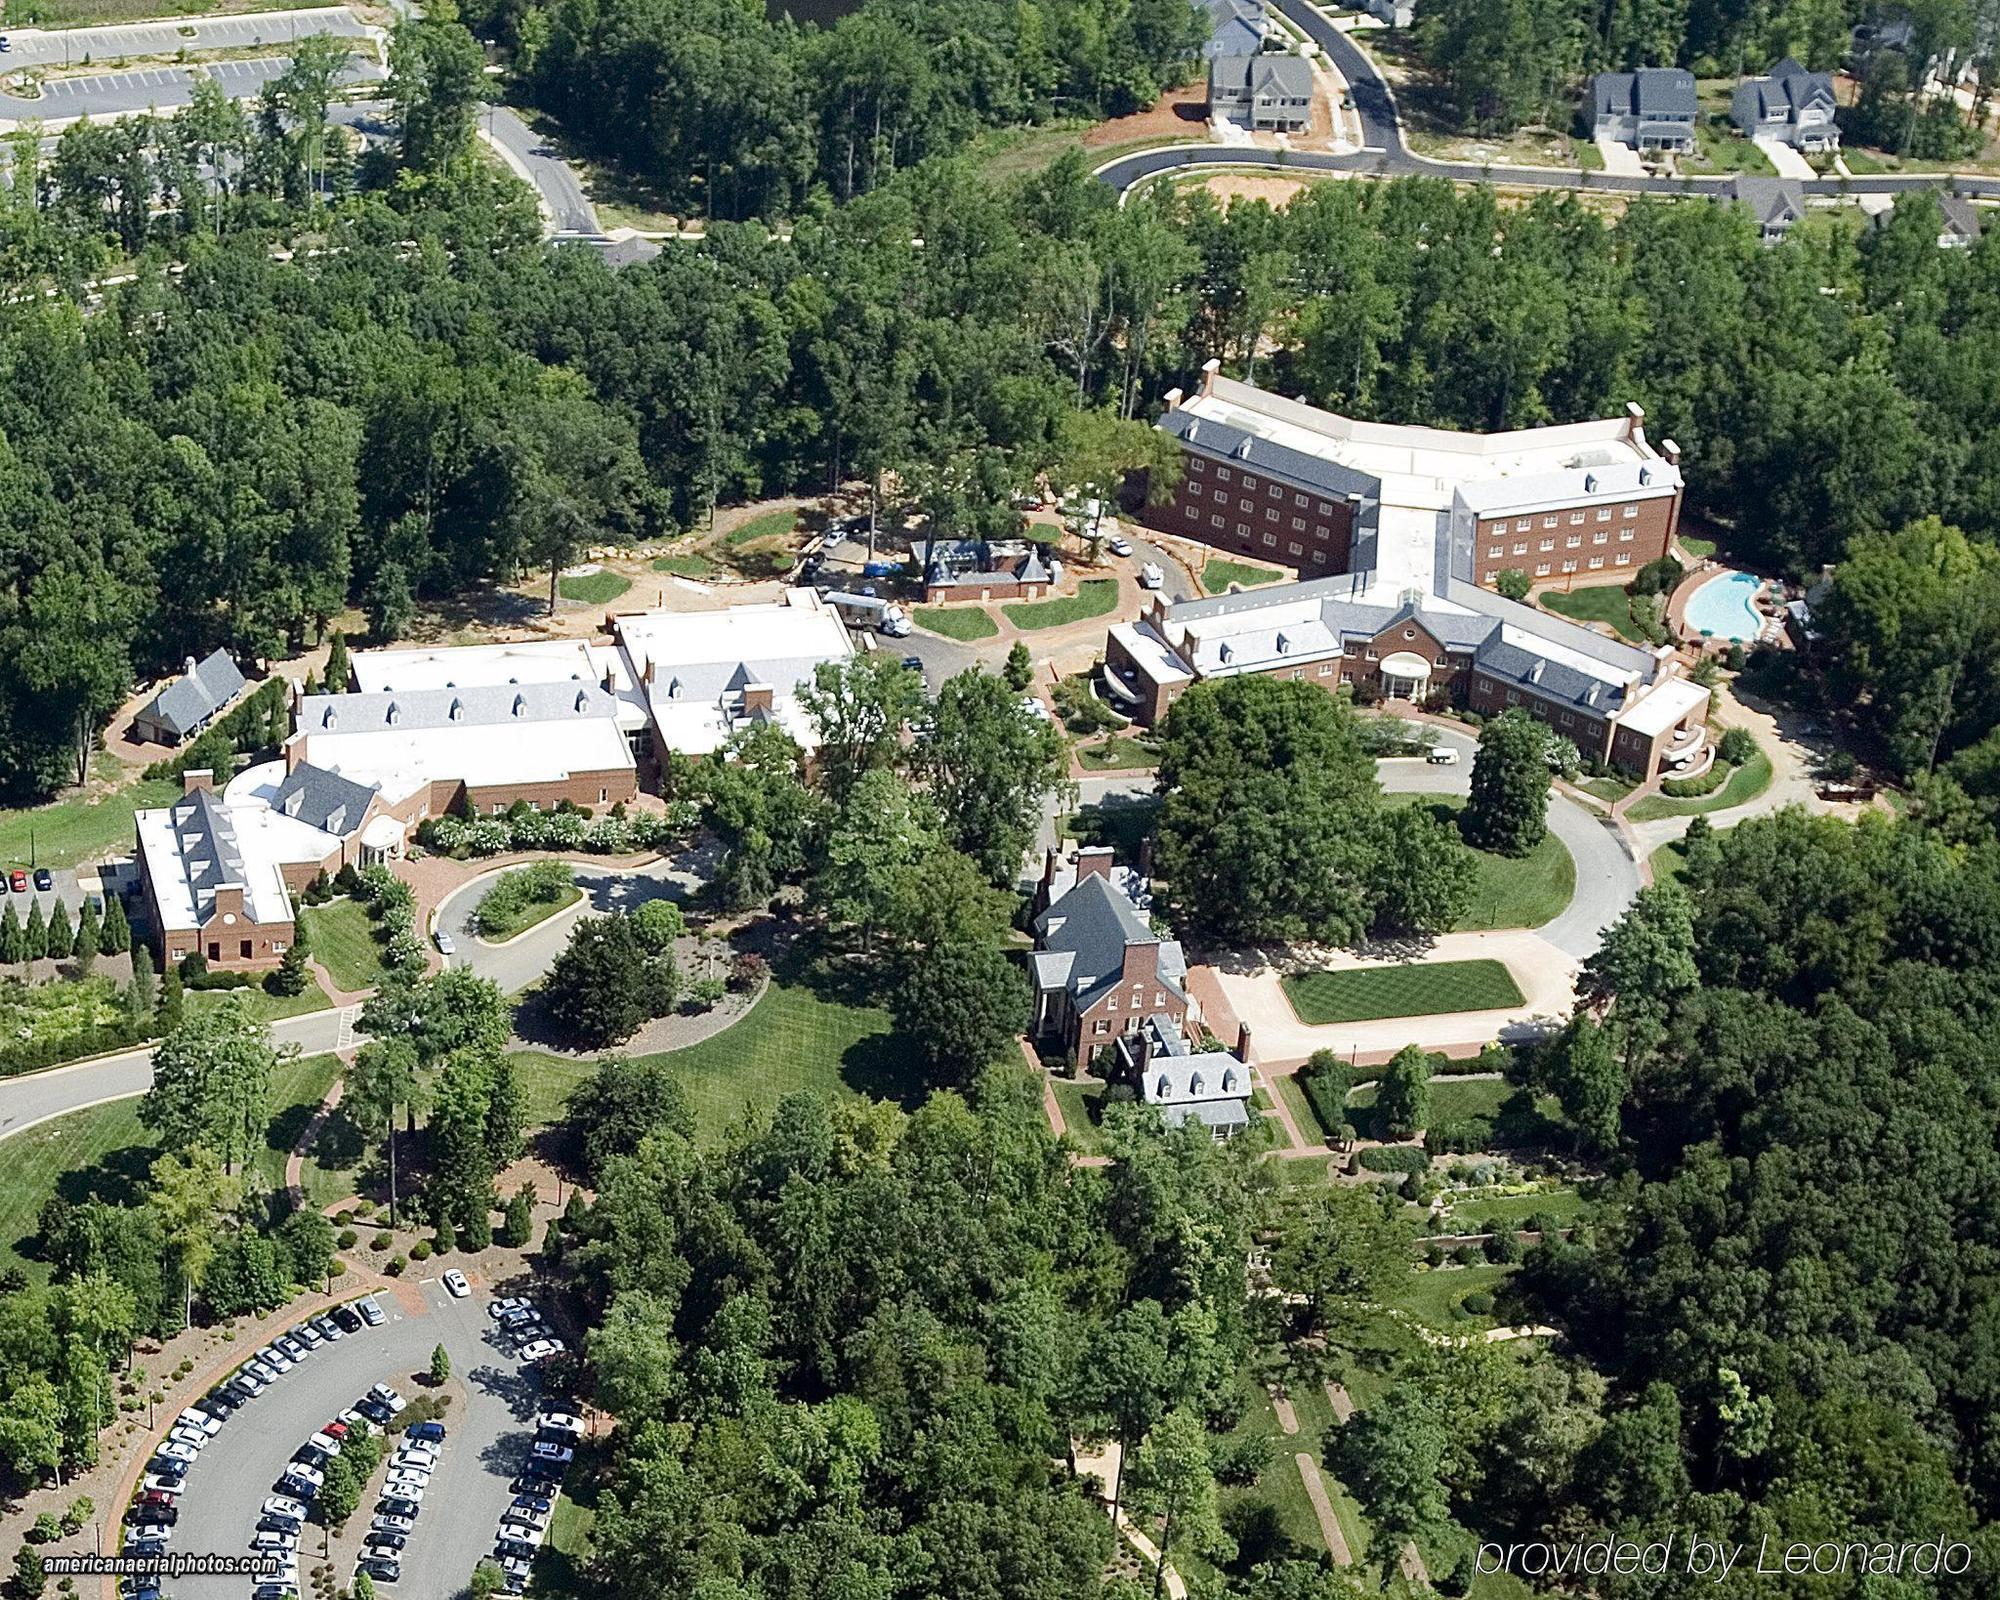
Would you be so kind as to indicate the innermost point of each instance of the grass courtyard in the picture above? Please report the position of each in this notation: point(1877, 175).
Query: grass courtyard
point(686, 564)
point(342, 939)
point(1454, 1101)
point(593, 588)
point(1095, 597)
point(1510, 891)
point(967, 624)
point(1119, 753)
point(1371, 994)
point(1742, 786)
point(794, 1039)
point(1609, 603)
point(71, 832)
point(1219, 574)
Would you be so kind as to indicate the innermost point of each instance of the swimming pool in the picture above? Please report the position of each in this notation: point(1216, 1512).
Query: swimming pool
point(1723, 608)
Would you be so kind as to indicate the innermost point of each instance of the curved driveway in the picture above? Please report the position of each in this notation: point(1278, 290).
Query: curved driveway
point(520, 961)
point(1385, 154)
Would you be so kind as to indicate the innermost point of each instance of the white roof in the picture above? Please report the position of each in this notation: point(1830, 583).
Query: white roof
point(460, 666)
point(399, 757)
point(204, 843)
point(1150, 653)
point(1662, 706)
point(1541, 491)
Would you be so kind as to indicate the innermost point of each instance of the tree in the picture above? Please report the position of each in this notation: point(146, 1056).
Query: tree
point(1508, 811)
point(437, 76)
point(860, 708)
point(383, 1078)
point(1019, 672)
point(1171, 1479)
point(364, 1586)
point(35, 936)
point(1340, 1249)
point(31, 1427)
point(440, 1368)
point(13, 943)
point(1585, 1073)
point(518, 1226)
point(1403, 1099)
point(989, 770)
point(1427, 875)
point(658, 926)
point(876, 839)
point(83, 945)
point(962, 1002)
point(293, 976)
point(338, 669)
point(171, 1002)
point(623, 1101)
point(1644, 966)
point(115, 935)
point(604, 986)
point(308, 1240)
point(29, 1577)
point(388, 602)
point(212, 1083)
point(487, 1579)
point(194, 1197)
point(1267, 827)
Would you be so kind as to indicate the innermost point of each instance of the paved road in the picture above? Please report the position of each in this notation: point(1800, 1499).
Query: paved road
point(65, 47)
point(519, 962)
point(1385, 154)
point(570, 211)
point(120, 94)
point(488, 1434)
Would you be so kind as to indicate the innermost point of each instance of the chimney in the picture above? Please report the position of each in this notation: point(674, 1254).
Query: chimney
point(646, 677)
point(1049, 865)
point(757, 697)
point(187, 666)
point(1174, 399)
point(295, 752)
point(1671, 451)
point(1635, 418)
point(1093, 862)
point(1146, 856)
point(1243, 1043)
point(198, 780)
point(1142, 960)
point(1209, 369)
point(1145, 1050)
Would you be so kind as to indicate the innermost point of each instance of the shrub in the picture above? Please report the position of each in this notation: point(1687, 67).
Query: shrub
point(1690, 788)
point(1514, 584)
point(1658, 577)
point(1395, 1158)
point(421, 1250)
point(346, 1239)
point(382, 1240)
point(1239, 1459)
point(510, 900)
point(1479, 1303)
point(446, 1238)
point(1325, 1081)
point(394, 1266)
point(1737, 746)
point(1503, 1247)
point(657, 924)
point(748, 971)
point(703, 993)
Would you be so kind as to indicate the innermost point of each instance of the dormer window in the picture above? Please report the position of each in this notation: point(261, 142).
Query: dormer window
point(327, 718)
point(520, 705)
point(1163, 1087)
point(457, 709)
point(394, 714)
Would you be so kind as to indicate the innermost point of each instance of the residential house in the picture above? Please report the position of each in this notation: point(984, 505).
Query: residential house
point(184, 707)
point(1236, 28)
point(982, 569)
point(1959, 221)
point(1651, 109)
point(1776, 204)
point(1099, 969)
point(1790, 105)
point(1265, 93)
point(1209, 1087)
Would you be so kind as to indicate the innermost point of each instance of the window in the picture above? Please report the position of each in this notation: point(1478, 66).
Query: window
point(1222, 497)
point(1570, 565)
point(1101, 1026)
point(1370, 655)
point(603, 794)
point(1320, 557)
point(1270, 513)
point(1513, 697)
point(1576, 519)
point(243, 946)
point(1298, 524)
point(1603, 513)
point(1271, 539)
point(1249, 482)
point(1542, 571)
point(276, 948)
point(1631, 511)
point(1326, 669)
point(214, 950)
point(1548, 522)
point(1222, 474)
point(1625, 535)
point(1159, 998)
point(1520, 549)
point(1522, 524)
point(1111, 1004)
point(1548, 544)
point(1198, 465)
point(1245, 503)
point(1596, 562)
point(1599, 537)
point(1215, 521)
point(1295, 548)
point(1325, 510)
point(1299, 500)
point(1573, 541)
point(1495, 552)
point(1624, 558)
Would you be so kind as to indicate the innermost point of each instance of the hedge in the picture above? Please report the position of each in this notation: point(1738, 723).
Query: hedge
point(31, 1055)
point(1691, 788)
point(1395, 1158)
point(556, 830)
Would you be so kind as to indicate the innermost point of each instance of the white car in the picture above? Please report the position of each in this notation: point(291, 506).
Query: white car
point(384, 1522)
point(1119, 545)
point(305, 1474)
point(261, 1370)
point(562, 1422)
point(404, 1489)
point(150, 1530)
point(542, 1349)
point(177, 1450)
point(560, 1454)
point(309, 1336)
point(279, 1505)
point(163, 1483)
point(1150, 576)
point(199, 1420)
point(247, 1382)
point(515, 1567)
point(275, 1359)
point(421, 1457)
point(194, 1438)
point(355, 1419)
point(521, 1531)
point(388, 1397)
point(455, 1284)
point(277, 1543)
point(420, 1476)
point(514, 1302)
point(445, 943)
point(326, 1442)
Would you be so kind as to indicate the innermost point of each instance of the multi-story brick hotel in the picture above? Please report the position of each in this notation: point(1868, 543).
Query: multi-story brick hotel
point(1407, 526)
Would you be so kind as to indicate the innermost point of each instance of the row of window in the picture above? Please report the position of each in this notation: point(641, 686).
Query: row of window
point(1275, 491)
point(1292, 547)
point(1138, 1000)
point(1498, 526)
point(1561, 718)
point(1494, 551)
point(1623, 559)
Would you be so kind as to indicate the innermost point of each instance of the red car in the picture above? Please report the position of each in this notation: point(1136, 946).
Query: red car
point(19, 881)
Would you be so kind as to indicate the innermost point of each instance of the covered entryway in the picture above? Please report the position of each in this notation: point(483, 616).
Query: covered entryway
point(1405, 675)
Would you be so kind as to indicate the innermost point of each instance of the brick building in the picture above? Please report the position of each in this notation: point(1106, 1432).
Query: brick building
point(1099, 969)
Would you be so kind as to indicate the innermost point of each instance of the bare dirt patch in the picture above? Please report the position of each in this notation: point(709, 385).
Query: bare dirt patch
point(1274, 192)
point(1178, 112)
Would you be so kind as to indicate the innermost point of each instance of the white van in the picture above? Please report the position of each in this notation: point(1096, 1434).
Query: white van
point(1442, 755)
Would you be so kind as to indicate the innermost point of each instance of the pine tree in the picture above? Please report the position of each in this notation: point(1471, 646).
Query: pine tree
point(115, 937)
point(12, 941)
point(171, 1002)
point(336, 665)
point(60, 941)
point(292, 975)
point(35, 937)
point(141, 992)
point(89, 933)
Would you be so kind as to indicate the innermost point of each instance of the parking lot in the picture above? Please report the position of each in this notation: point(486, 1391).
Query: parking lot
point(489, 1428)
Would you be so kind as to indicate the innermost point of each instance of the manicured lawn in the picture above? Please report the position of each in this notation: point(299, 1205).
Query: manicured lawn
point(99, 13)
point(1669, 861)
point(1479, 1216)
point(1702, 549)
point(102, 1152)
point(963, 623)
point(1608, 603)
point(260, 1004)
point(512, 926)
point(793, 1039)
point(1744, 785)
point(1300, 1105)
point(1435, 1298)
point(1095, 597)
point(1082, 1102)
point(1453, 1101)
point(1510, 891)
point(1608, 789)
point(1119, 754)
point(1276, 1505)
point(1367, 994)
point(594, 588)
point(1219, 574)
point(771, 525)
point(71, 832)
point(687, 565)
point(342, 939)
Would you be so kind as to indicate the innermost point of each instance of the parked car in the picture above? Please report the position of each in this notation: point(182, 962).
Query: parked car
point(396, 1505)
point(19, 881)
point(44, 879)
point(370, 1312)
point(261, 1370)
point(426, 1432)
point(446, 945)
point(560, 1454)
point(542, 1349)
point(272, 1523)
point(327, 1328)
point(500, 1308)
point(308, 1335)
point(562, 1422)
point(1441, 755)
point(387, 1568)
point(292, 1347)
point(202, 1421)
point(275, 1359)
point(387, 1395)
point(403, 1486)
point(521, 1533)
point(1150, 576)
point(162, 1480)
point(282, 1506)
point(279, 1543)
point(387, 1522)
point(345, 1319)
point(1119, 545)
point(247, 1384)
point(325, 1443)
point(177, 1450)
point(455, 1284)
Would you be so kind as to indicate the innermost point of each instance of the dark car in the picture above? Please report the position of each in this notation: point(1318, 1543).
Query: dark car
point(310, 1455)
point(430, 1432)
point(392, 1506)
point(387, 1568)
point(145, 1547)
point(503, 1548)
point(295, 1488)
point(914, 663)
point(140, 1513)
point(374, 1410)
point(221, 1403)
point(275, 1524)
point(534, 1483)
point(44, 879)
point(348, 1322)
point(533, 1502)
point(388, 1539)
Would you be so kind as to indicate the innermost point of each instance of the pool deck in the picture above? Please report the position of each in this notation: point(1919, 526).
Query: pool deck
point(1683, 598)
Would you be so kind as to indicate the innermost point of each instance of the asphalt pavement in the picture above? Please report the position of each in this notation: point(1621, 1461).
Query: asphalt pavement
point(121, 94)
point(518, 962)
point(71, 47)
point(489, 1432)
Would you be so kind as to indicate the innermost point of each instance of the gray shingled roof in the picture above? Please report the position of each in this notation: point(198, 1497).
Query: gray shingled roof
point(203, 689)
point(1551, 680)
point(1774, 202)
point(211, 857)
point(1651, 94)
point(470, 705)
point(1082, 939)
point(323, 799)
point(1242, 448)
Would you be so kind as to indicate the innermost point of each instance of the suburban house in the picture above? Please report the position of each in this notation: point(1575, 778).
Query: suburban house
point(1416, 522)
point(184, 707)
point(1211, 1087)
point(981, 569)
point(1099, 969)
point(1261, 92)
point(1236, 28)
point(1776, 204)
point(1790, 105)
point(1959, 224)
point(1651, 109)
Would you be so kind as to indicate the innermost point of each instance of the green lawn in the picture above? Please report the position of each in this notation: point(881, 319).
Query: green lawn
point(1274, 1512)
point(527, 916)
point(102, 1152)
point(1300, 1106)
point(793, 1039)
point(71, 832)
point(771, 525)
point(594, 588)
point(1435, 1298)
point(1669, 861)
point(1609, 603)
point(1700, 549)
point(1095, 597)
point(260, 1004)
point(1480, 1216)
point(963, 623)
point(342, 939)
point(1453, 1100)
point(690, 564)
point(1081, 1100)
point(1611, 790)
point(1367, 994)
point(1119, 753)
point(102, 13)
point(1744, 785)
point(1218, 575)
point(1510, 891)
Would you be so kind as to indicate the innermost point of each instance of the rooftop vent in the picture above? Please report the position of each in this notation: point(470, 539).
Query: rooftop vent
point(394, 714)
point(1243, 450)
point(327, 718)
point(582, 702)
point(1194, 427)
point(520, 705)
point(1590, 483)
point(1645, 475)
point(1535, 672)
point(457, 708)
